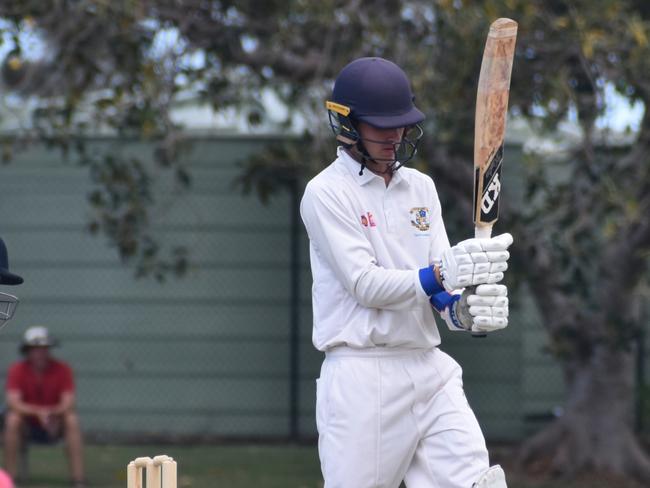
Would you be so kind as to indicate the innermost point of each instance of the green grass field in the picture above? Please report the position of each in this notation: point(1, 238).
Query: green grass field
point(238, 466)
point(201, 466)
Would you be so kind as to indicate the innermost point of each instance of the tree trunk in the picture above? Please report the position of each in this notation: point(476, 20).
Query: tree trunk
point(595, 432)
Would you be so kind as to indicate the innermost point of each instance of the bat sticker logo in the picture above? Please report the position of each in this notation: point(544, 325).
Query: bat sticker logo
point(487, 187)
point(491, 194)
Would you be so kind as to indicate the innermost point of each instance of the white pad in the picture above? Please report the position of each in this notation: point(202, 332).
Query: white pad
point(492, 478)
point(475, 262)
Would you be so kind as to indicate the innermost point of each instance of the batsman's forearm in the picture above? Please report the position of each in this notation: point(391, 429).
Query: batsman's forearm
point(390, 289)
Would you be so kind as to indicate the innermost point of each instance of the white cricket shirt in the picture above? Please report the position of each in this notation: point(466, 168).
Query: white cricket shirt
point(367, 244)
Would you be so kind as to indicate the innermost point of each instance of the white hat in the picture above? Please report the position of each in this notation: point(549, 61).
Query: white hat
point(37, 336)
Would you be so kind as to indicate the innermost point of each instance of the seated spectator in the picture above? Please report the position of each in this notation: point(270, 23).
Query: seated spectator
point(40, 402)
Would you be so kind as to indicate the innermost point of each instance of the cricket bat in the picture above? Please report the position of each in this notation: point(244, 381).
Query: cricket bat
point(490, 125)
point(490, 122)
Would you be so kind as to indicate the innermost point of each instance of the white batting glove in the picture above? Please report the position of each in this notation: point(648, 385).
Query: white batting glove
point(475, 262)
point(482, 308)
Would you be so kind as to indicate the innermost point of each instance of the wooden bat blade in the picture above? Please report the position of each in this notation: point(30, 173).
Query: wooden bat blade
point(490, 122)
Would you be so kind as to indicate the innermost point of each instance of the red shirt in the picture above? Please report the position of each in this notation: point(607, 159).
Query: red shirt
point(44, 389)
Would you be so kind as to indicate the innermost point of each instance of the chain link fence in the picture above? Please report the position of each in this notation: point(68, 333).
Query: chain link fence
point(225, 351)
point(207, 355)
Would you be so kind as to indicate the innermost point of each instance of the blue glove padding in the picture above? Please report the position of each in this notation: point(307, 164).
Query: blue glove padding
point(442, 300)
point(445, 300)
point(429, 282)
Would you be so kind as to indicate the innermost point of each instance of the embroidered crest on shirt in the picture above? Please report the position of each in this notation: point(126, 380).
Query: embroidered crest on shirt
point(420, 218)
point(368, 220)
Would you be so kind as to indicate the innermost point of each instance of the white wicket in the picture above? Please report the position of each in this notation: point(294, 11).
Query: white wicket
point(159, 472)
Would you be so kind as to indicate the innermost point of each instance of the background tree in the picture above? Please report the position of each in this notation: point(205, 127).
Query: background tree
point(582, 237)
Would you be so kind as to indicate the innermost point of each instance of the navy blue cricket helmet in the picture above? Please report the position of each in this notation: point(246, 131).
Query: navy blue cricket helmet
point(375, 91)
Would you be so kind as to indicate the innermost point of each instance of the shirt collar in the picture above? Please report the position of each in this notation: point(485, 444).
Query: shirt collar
point(353, 167)
point(399, 178)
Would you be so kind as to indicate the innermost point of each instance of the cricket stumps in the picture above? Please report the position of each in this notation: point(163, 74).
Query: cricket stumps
point(159, 472)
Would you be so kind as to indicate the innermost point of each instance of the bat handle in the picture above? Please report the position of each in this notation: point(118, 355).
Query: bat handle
point(482, 232)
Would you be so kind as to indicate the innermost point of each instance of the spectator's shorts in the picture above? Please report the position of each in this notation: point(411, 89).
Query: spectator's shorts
point(37, 434)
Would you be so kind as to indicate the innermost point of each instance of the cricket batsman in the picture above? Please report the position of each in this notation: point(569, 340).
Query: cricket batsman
point(390, 404)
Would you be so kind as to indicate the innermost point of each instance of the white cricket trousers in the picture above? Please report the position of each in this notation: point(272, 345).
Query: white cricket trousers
point(387, 416)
